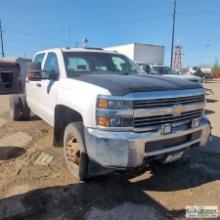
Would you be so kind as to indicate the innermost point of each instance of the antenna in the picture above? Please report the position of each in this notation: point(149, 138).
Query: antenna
point(85, 43)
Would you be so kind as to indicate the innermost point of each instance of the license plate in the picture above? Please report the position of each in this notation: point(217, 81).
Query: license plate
point(172, 157)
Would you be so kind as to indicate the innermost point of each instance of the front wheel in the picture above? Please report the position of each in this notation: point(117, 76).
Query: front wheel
point(74, 150)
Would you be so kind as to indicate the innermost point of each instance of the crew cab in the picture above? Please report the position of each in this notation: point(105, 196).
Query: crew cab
point(107, 113)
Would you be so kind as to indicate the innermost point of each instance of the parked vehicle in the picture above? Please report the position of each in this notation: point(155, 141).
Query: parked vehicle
point(141, 53)
point(204, 73)
point(22, 63)
point(107, 114)
point(10, 78)
point(167, 71)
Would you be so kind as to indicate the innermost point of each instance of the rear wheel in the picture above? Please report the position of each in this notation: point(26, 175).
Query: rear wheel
point(19, 109)
point(15, 108)
point(74, 150)
point(26, 112)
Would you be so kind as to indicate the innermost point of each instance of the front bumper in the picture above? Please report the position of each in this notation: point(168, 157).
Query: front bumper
point(128, 149)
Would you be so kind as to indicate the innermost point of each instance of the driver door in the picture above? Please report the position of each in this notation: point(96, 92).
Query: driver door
point(48, 88)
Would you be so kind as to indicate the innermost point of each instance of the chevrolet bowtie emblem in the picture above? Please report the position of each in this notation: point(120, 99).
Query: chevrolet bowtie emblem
point(177, 110)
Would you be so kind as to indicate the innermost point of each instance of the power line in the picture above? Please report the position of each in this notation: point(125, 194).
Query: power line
point(1, 35)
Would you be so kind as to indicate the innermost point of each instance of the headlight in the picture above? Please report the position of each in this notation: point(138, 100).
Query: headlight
point(106, 121)
point(114, 104)
point(114, 112)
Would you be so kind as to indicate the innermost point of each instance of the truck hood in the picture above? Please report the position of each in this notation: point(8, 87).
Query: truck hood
point(188, 77)
point(120, 85)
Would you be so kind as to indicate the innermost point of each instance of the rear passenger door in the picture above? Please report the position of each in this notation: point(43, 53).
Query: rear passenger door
point(33, 87)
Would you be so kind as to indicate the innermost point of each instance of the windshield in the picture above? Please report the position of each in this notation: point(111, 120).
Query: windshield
point(77, 63)
point(164, 70)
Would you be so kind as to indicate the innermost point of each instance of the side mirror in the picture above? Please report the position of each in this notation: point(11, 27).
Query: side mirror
point(34, 71)
point(53, 75)
point(146, 68)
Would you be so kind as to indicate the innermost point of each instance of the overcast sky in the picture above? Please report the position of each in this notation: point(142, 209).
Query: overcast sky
point(32, 25)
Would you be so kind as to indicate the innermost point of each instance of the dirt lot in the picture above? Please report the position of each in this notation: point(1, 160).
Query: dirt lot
point(35, 184)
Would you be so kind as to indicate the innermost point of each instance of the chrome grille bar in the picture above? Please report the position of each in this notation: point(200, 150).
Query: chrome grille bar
point(167, 102)
point(158, 108)
point(168, 119)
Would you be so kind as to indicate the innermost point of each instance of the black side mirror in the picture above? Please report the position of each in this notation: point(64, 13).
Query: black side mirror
point(52, 75)
point(34, 72)
point(146, 68)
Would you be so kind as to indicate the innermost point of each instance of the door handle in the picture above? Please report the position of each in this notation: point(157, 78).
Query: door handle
point(38, 84)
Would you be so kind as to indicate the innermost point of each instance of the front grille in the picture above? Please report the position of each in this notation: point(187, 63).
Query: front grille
point(157, 121)
point(140, 104)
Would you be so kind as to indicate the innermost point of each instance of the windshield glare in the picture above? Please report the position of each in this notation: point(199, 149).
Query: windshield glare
point(164, 70)
point(93, 62)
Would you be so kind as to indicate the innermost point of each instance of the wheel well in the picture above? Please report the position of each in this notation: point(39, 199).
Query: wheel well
point(63, 116)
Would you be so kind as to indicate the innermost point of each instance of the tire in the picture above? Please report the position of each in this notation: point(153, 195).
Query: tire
point(15, 108)
point(74, 150)
point(26, 112)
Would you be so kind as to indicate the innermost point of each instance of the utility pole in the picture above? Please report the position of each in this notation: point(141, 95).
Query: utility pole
point(173, 32)
point(1, 36)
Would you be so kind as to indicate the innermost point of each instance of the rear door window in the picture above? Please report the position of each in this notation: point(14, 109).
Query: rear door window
point(39, 58)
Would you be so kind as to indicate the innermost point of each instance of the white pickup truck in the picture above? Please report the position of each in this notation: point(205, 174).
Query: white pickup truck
point(108, 114)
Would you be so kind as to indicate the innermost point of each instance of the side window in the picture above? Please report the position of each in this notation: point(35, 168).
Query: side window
point(51, 65)
point(39, 58)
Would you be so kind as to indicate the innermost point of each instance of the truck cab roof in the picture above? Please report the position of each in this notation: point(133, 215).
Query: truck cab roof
point(66, 49)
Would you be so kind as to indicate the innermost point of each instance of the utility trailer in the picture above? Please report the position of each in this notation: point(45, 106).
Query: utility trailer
point(141, 54)
point(10, 78)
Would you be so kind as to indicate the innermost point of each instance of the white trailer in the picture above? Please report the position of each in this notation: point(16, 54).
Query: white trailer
point(141, 53)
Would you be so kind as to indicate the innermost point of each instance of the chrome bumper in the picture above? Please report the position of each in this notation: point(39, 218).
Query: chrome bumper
point(127, 149)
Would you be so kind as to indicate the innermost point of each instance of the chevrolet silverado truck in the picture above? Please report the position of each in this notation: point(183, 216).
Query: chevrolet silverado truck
point(109, 115)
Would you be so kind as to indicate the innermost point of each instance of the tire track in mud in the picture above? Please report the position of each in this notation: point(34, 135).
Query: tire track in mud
point(30, 161)
point(37, 189)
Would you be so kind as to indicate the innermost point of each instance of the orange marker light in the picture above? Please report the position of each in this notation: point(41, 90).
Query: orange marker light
point(30, 74)
point(102, 103)
point(103, 121)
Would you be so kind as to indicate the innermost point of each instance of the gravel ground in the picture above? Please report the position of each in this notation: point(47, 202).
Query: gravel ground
point(35, 184)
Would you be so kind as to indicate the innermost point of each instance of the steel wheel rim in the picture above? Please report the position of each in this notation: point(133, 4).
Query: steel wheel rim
point(72, 151)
